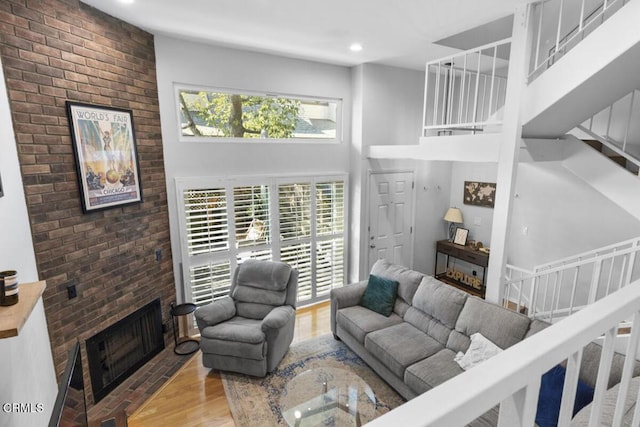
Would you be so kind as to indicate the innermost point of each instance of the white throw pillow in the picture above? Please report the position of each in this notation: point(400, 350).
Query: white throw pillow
point(479, 350)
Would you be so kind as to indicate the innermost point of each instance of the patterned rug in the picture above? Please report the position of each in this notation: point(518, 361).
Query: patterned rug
point(255, 401)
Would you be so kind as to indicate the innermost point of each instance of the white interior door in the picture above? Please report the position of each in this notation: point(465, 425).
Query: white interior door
point(391, 217)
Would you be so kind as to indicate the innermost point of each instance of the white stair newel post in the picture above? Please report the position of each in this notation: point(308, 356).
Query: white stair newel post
point(510, 142)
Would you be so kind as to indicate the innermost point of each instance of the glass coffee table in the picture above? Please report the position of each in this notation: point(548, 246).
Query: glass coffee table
point(327, 396)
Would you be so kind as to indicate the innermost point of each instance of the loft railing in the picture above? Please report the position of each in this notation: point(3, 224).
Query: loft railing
point(512, 378)
point(558, 289)
point(560, 25)
point(466, 91)
point(617, 127)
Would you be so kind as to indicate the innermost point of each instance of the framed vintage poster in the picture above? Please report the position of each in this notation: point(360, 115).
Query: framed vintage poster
point(106, 156)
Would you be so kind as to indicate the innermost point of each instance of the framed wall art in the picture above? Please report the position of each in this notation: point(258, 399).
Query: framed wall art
point(461, 235)
point(479, 193)
point(106, 156)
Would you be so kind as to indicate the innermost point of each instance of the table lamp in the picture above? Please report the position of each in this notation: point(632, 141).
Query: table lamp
point(453, 216)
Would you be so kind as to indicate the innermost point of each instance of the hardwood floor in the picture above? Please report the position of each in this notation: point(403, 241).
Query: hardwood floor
point(194, 396)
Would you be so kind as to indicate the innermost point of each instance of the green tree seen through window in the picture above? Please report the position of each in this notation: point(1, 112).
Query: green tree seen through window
point(238, 116)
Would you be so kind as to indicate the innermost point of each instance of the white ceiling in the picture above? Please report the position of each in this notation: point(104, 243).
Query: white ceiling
point(393, 32)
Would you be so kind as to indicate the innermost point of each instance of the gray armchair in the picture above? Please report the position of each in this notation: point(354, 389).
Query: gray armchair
point(250, 330)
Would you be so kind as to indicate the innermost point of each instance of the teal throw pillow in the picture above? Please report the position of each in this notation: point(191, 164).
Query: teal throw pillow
point(380, 295)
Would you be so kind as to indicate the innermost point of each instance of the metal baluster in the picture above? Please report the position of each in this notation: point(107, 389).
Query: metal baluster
point(437, 93)
point(463, 80)
point(626, 131)
point(536, 64)
point(475, 99)
point(559, 27)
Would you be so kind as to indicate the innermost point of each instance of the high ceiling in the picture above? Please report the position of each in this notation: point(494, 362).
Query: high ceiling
point(399, 33)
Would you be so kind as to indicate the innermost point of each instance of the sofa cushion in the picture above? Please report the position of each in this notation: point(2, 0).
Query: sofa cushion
point(536, 326)
point(428, 325)
point(359, 321)
point(432, 371)
point(609, 406)
point(399, 346)
point(501, 326)
point(591, 360)
point(435, 308)
point(439, 300)
point(380, 295)
point(408, 280)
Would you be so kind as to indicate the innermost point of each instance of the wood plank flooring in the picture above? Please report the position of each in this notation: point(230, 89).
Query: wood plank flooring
point(195, 397)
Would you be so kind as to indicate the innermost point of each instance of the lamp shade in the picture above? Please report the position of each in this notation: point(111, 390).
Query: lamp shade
point(453, 215)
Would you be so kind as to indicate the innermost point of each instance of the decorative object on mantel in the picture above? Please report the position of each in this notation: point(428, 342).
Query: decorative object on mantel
point(453, 216)
point(479, 193)
point(8, 287)
point(106, 156)
point(461, 236)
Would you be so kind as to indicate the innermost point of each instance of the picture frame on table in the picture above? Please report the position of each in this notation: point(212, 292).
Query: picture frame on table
point(104, 145)
point(460, 237)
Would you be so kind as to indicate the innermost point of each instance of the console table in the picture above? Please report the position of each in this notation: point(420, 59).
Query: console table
point(473, 283)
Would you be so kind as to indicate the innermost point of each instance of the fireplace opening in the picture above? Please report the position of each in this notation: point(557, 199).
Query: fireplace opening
point(119, 350)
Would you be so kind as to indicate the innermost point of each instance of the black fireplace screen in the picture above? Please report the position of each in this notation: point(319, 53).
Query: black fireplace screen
point(118, 351)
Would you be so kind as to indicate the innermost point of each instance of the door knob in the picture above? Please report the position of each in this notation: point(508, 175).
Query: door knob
point(372, 246)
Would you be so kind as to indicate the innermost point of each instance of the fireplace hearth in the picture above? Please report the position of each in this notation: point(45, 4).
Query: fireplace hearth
point(119, 350)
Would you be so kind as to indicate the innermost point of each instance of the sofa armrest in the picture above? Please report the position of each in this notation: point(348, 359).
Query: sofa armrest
point(277, 318)
point(346, 296)
point(216, 312)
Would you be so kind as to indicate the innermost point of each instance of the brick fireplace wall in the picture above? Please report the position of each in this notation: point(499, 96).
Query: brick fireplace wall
point(58, 50)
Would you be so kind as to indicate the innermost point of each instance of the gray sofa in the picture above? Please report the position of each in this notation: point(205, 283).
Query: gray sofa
point(413, 349)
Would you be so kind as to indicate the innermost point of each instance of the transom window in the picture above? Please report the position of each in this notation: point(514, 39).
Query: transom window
point(300, 221)
point(225, 115)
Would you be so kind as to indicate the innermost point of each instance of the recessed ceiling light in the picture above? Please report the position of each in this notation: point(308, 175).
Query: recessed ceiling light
point(126, 1)
point(356, 47)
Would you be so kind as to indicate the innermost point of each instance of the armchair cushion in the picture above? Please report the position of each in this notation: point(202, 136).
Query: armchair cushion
point(267, 275)
point(259, 286)
point(216, 312)
point(237, 329)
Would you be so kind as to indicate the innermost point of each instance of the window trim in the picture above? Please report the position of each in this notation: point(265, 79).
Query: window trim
point(231, 254)
point(226, 140)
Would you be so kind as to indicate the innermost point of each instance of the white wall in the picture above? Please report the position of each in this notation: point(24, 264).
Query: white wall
point(26, 370)
point(555, 215)
point(388, 104)
point(477, 219)
point(191, 63)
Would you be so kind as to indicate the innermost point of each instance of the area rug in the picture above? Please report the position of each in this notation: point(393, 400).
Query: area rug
point(255, 401)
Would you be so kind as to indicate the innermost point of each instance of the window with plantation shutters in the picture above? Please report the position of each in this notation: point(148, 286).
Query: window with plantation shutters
point(298, 221)
point(330, 235)
point(206, 216)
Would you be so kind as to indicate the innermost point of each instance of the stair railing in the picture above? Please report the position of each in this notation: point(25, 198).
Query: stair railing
point(466, 91)
point(561, 25)
point(512, 378)
point(558, 289)
point(616, 126)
